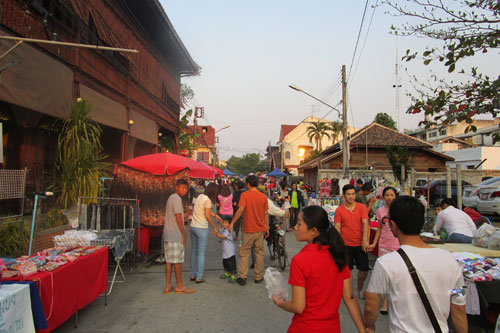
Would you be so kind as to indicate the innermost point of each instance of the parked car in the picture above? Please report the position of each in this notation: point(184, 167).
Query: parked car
point(437, 190)
point(471, 193)
point(419, 183)
point(489, 200)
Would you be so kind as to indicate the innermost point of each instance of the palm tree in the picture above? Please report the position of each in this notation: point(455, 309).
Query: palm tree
point(316, 131)
point(335, 129)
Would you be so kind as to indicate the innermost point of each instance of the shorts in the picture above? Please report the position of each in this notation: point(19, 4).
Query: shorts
point(356, 256)
point(174, 252)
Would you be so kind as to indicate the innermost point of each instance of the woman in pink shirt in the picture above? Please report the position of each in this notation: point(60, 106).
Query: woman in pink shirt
point(387, 242)
point(225, 202)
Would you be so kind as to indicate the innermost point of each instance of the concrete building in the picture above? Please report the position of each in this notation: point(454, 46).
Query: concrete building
point(206, 143)
point(294, 144)
point(479, 158)
point(455, 130)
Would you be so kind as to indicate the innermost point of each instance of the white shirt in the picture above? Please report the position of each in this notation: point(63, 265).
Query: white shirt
point(274, 210)
point(438, 272)
point(455, 221)
point(228, 249)
point(199, 218)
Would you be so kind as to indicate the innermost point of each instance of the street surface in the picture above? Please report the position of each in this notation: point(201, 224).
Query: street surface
point(217, 306)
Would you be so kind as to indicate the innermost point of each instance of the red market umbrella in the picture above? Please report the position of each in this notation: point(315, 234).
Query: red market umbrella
point(218, 172)
point(168, 164)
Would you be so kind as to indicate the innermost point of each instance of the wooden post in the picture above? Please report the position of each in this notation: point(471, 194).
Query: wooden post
point(448, 182)
point(403, 178)
point(459, 186)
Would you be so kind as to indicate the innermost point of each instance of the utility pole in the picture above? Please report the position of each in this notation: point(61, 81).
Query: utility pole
point(345, 148)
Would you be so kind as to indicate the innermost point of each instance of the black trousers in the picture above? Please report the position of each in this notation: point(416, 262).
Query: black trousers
point(229, 265)
point(294, 214)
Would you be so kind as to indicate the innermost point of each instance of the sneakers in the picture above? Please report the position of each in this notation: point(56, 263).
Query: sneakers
point(241, 281)
point(232, 279)
point(225, 276)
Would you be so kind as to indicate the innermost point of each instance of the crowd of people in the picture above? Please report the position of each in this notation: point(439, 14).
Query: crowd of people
point(320, 274)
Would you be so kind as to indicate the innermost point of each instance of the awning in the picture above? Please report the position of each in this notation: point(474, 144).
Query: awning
point(105, 111)
point(37, 82)
point(143, 128)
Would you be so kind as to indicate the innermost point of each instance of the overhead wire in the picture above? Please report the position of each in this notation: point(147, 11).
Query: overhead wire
point(364, 44)
point(357, 41)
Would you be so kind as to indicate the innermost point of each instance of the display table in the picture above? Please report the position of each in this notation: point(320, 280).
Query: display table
point(15, 309)
point(36, 303)
point(71, 287)
point(457, 247)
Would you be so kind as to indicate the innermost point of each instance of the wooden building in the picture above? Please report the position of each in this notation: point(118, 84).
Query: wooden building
point(134, 97)
point(368, 151)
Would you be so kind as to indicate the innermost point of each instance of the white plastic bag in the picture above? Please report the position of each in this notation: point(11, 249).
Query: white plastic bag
point(482, 235)
point(275, 283)
point(494, 240)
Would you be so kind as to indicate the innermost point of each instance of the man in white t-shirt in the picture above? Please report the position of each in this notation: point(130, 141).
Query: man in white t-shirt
point(437, 271)
point(459, 226)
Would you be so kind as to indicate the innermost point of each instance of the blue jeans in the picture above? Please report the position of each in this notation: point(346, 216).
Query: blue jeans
point(459, 238)
point(199, 238)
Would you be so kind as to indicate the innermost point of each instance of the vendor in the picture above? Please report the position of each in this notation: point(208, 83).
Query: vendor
point(458, 225)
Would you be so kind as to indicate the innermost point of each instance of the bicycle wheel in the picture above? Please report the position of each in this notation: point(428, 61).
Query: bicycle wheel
point(282, 256)
point(271, 248)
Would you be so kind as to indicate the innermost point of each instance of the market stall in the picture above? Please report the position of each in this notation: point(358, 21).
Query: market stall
point(15, 311)
point(151, 179)
point(67, 279)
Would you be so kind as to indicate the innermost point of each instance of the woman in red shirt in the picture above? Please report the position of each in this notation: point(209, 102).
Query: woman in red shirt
point(319, 277)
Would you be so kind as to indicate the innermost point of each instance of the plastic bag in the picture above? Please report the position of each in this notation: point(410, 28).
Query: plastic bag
point(482, 235)
point(275, 283)
point(494, 240)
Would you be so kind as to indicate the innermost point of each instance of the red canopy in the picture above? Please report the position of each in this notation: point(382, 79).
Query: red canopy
point(168, 164)
point(218, 172)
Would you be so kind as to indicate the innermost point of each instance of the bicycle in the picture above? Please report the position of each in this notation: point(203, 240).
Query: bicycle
point(276, 243)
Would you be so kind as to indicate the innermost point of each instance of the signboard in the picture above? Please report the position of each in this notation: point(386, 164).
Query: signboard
point(15, 309)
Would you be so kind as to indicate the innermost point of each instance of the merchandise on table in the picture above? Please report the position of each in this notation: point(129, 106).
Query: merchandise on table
point(75, 238)
point(46, 260)
point(477, 268)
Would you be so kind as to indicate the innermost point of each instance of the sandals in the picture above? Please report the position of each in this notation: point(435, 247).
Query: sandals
point(166, 292)
point(185, 291)
point(201, 281)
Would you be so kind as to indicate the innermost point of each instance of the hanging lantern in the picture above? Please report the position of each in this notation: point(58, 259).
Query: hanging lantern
point(185, 152)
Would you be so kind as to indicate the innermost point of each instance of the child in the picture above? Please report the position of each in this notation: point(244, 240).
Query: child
point(228, 251)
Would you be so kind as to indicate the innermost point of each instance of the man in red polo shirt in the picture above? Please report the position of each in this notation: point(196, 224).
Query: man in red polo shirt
point(254, 208)
point(351, 220)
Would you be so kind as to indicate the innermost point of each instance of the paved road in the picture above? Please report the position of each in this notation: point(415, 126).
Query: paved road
point(217, 306)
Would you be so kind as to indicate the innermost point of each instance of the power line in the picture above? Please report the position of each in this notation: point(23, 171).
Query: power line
point(357, 40)
point(364, 43)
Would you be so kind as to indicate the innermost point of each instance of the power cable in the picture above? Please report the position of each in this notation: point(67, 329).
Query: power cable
point(357, 40)
point(364, 43)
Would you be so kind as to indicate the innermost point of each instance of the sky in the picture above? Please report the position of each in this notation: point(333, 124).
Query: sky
point(250, 51)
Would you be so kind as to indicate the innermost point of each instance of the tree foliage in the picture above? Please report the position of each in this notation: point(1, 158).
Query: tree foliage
point(399, 156)
point(464, 28)
point(247, 163)
point(316, 131)
point(80, 158)
point(187, 93)
point(312, 155)
point(187, 138)
point(386, 120)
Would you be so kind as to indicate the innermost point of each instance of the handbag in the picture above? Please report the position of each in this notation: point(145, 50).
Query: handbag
point(420, 290)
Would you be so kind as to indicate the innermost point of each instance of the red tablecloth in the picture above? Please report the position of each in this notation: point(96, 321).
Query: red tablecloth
point(71, 287)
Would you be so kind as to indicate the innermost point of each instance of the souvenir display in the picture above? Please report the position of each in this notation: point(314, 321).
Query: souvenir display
point(477, 268)
point(46, 260)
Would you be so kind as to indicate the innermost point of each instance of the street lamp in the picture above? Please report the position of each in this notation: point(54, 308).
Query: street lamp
point(214, 152)
point(343, 116)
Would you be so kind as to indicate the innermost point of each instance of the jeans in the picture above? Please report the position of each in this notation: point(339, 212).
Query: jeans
point(459, 238)
point(294, 214)
point(199, 238)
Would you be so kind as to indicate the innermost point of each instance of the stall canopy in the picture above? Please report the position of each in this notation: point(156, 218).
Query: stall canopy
point(228, 172)
point(168, 164)
point(276, 173)
point(218, 172)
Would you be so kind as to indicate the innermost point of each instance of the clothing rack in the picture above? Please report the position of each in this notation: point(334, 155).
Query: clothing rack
point(116, 220)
